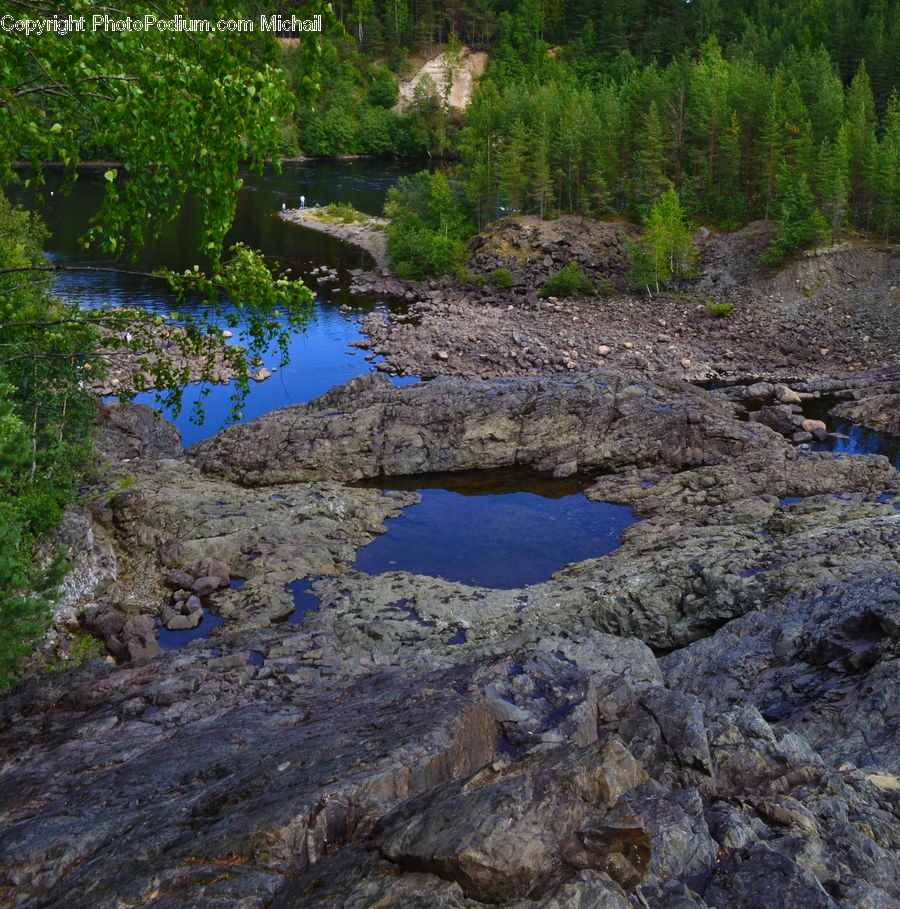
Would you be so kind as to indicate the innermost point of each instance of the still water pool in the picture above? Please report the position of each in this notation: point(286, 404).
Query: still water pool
point(500, 529)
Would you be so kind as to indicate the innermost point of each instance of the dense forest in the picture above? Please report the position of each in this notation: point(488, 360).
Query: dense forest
point(598, 108)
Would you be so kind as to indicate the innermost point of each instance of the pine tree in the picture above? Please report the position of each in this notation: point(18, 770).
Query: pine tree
point(513, 177)
point(861, 147)
point(832, 181)
point(887, 172)
point(651, 156)
point(800, 223)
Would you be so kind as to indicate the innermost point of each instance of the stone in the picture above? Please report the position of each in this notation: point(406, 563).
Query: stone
point(176, 578)
point(169, 553)
point(785, 395)
point(760, 390)
point(176, 621)
point(778, 417)
point(204, 586)
point(103, 621)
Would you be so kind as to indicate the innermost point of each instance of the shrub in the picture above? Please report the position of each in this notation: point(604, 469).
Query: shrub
point(503, 279)
point(719, 309)
point(569, 280)
point(341, 211)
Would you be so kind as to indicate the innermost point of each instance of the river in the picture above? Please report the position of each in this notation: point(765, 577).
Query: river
point(320, 357)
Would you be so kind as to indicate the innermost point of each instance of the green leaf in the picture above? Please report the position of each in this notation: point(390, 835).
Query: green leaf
point(110, 175)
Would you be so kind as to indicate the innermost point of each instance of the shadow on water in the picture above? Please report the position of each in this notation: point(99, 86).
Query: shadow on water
point(501, 529)
point(848, 438)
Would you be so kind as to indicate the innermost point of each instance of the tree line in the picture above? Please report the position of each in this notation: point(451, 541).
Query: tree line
point(732, 136)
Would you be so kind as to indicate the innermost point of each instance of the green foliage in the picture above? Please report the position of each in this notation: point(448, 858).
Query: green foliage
point(664, 252)
point(45, 425)
point(800, 223)
point(720, 310)
point(502, 279)
point(343, 212)
point(605, 285)
point(569, 280)
point(180, 111)
point(195, 104)
point(428, 228)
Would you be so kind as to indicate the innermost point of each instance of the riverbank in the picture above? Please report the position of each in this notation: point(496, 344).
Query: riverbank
point(368, 233)
point(828, 314)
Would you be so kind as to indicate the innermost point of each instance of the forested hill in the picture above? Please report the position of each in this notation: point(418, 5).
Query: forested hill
point(597, 107)
point(600, 31)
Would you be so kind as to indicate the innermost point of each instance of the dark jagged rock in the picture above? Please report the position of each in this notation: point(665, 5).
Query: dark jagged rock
point(825, 662)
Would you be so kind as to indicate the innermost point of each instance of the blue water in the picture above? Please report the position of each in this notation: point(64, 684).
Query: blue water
point(320, 357)
point(476, 530)
point(306, 603)
point(172, 640)
point(860, 440)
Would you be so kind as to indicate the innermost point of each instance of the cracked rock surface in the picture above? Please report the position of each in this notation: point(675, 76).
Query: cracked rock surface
point(704, 717)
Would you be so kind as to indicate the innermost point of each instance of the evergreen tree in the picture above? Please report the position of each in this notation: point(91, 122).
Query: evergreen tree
point(513, 175)
point(800, 224)
point(861, 146)
point(651, 156)
point(887, 173)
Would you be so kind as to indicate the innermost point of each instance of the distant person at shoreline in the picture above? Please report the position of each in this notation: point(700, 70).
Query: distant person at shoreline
point(303, 202)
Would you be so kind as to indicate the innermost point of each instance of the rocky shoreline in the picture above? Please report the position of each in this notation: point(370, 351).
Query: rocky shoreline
point(367, 234)
point(830, 314)
point(704, 717)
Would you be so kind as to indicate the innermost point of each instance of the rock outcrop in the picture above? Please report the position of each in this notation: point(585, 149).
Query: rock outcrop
point(367, 427)
point(406, 741)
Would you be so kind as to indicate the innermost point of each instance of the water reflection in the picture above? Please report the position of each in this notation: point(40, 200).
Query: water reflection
point(320, 357)
point(501, 529)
